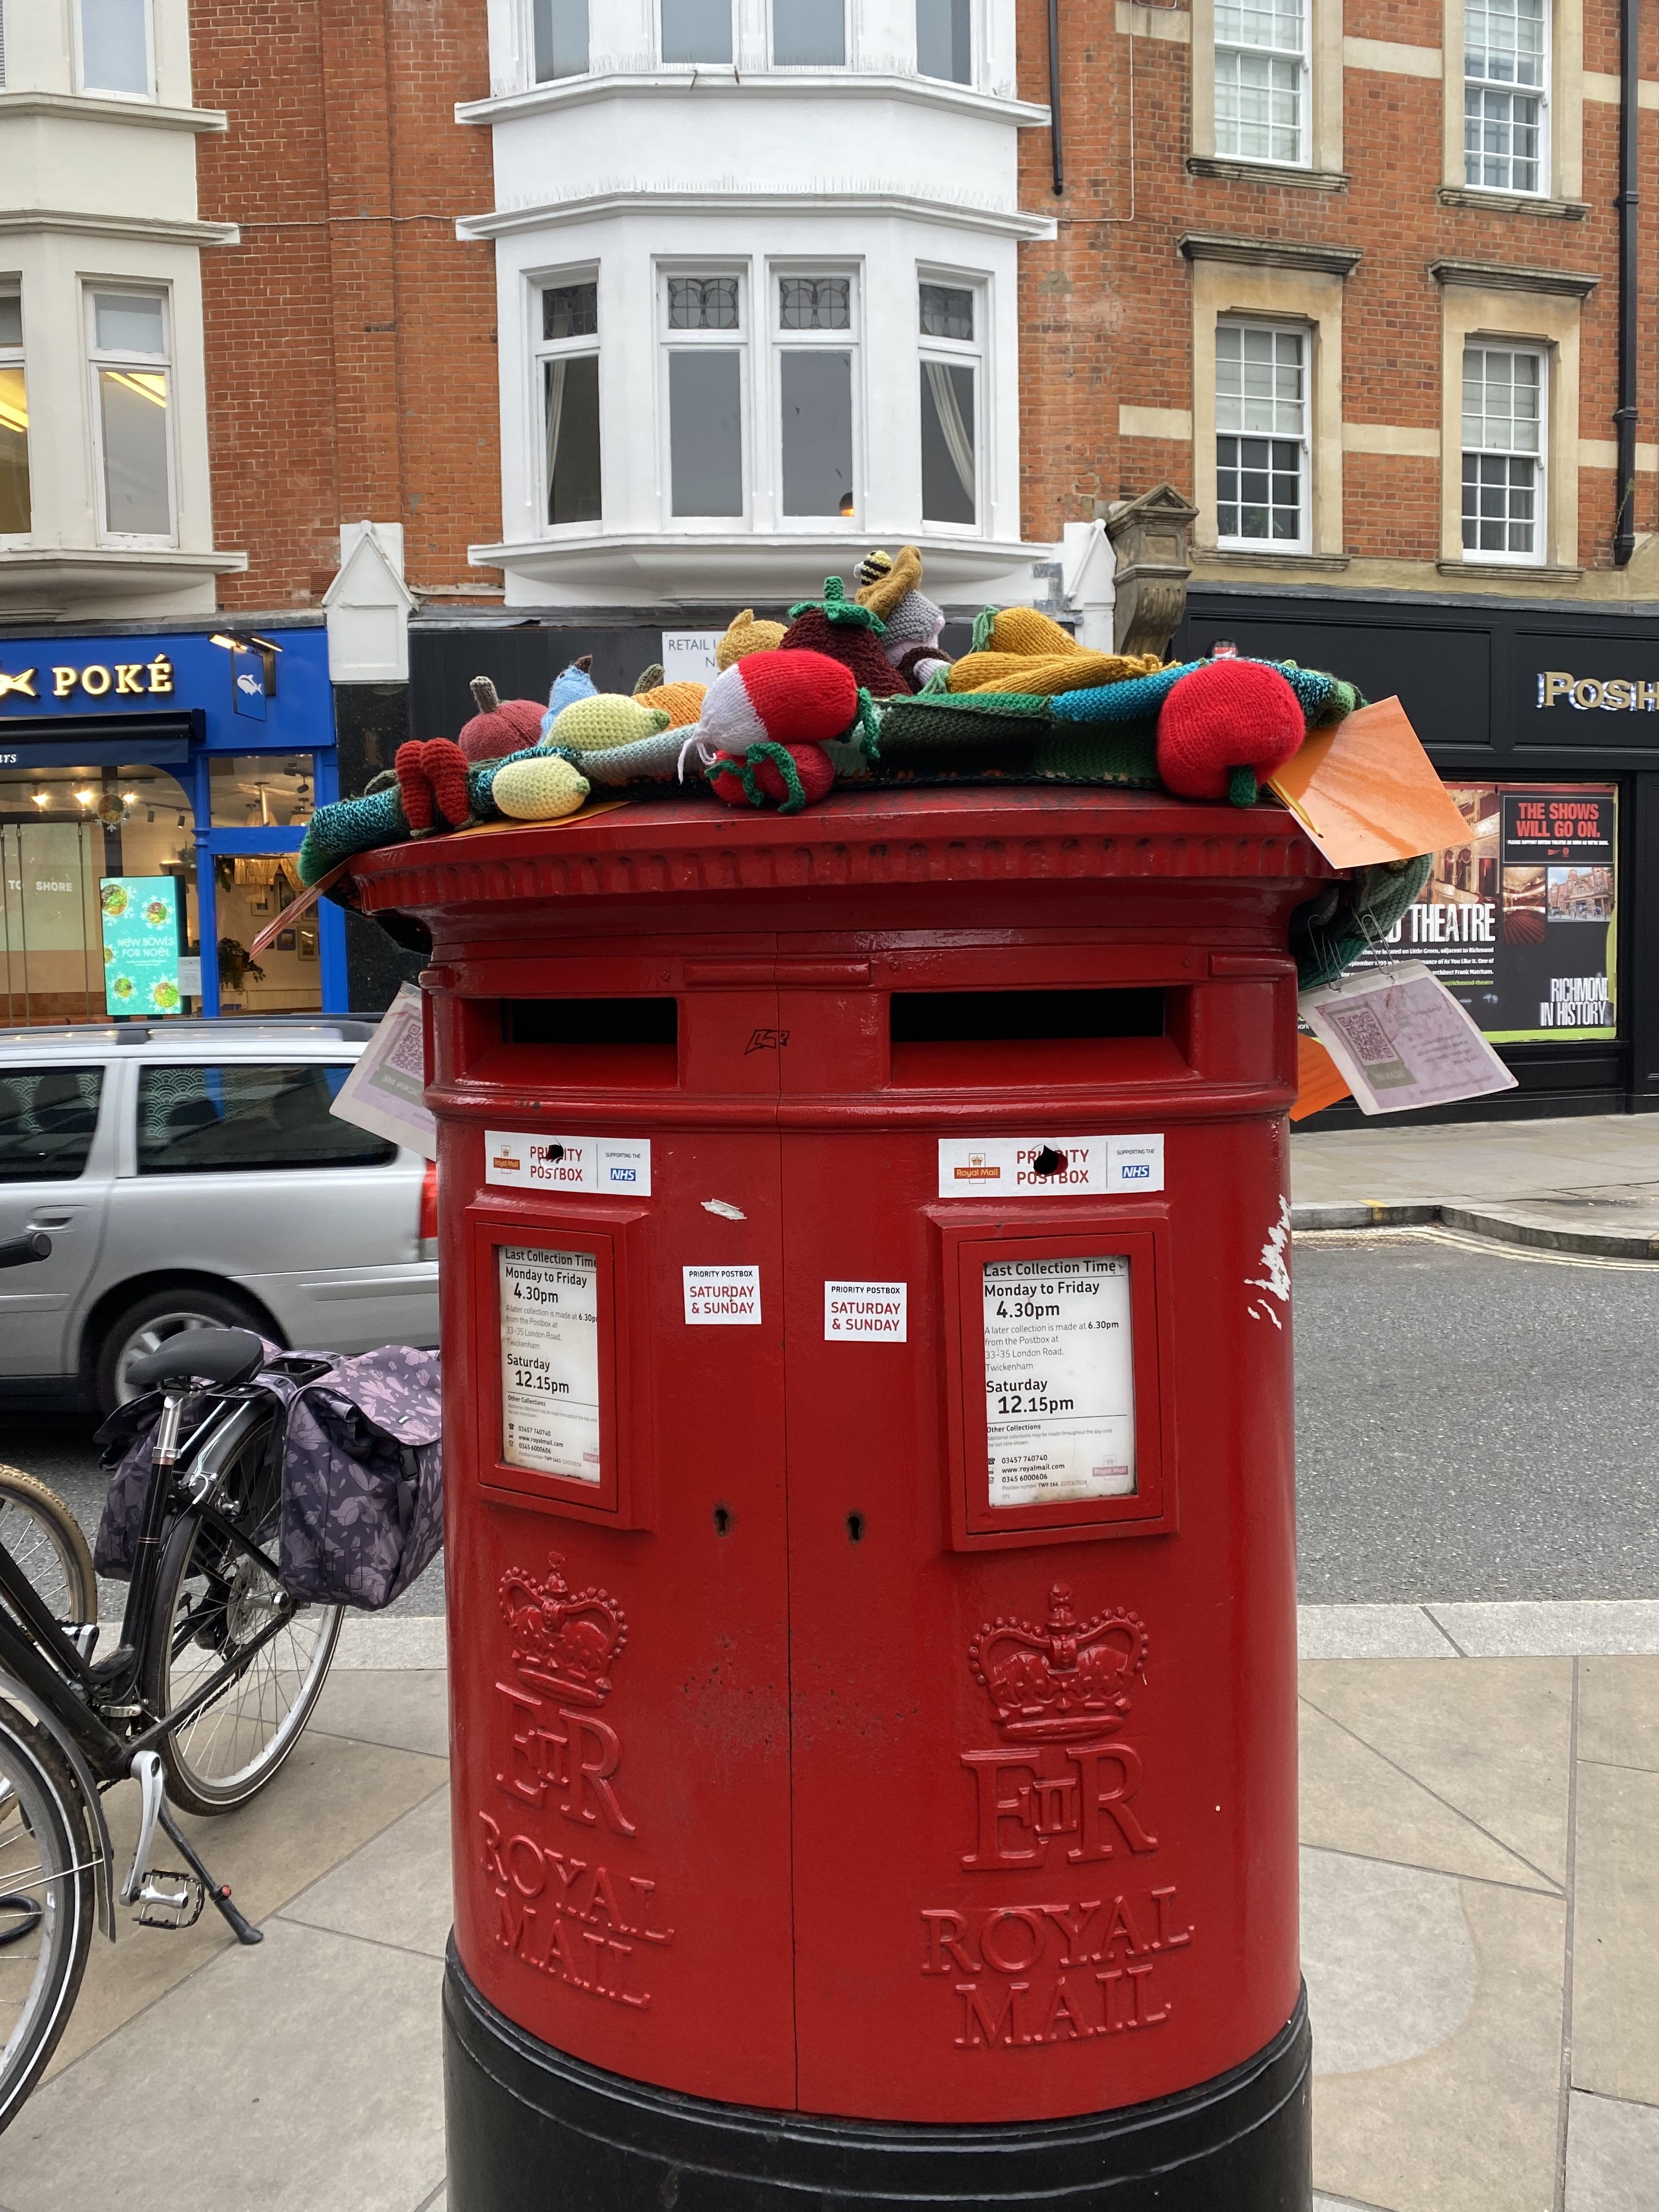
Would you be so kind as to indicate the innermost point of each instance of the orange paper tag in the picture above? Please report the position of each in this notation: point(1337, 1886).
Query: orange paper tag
point(1366, 791)
point(1319, 1081)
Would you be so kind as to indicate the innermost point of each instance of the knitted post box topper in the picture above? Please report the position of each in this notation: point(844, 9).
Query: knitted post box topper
point(431, 783)
point(1226, 725)
point(539, 790)
point(846, 632)
point(745, 636)
point(593, 726)
point(501, 726)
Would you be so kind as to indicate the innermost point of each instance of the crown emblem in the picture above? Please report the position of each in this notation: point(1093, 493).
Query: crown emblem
point(1066, 1678)
point(563, 1640)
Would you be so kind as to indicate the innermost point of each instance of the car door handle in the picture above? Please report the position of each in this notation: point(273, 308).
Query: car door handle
point(52, 1221)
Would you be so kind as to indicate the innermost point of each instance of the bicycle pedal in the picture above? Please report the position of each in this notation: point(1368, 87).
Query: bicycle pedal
point(167, 1899)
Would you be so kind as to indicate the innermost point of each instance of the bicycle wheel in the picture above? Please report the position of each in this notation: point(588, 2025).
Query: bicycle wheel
point(212, 1602)
point(46, 1903)
point(44, 1539)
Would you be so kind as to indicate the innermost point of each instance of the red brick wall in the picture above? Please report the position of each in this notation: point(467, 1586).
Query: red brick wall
point(1106, 309)
point(350, 337)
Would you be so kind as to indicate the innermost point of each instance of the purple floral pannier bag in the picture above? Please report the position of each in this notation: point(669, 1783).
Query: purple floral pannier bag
point(362, 1507)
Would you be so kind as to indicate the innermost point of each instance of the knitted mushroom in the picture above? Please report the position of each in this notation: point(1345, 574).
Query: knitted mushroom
point(501, 726)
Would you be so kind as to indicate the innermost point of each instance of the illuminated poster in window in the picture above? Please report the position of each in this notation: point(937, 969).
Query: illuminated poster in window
point(140, 921)
point(1520, 922)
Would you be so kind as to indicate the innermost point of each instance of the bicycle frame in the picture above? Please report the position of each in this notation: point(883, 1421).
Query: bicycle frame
point(46, 1661)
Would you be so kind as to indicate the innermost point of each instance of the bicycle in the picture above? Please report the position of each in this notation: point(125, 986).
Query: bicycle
point(194, 1702)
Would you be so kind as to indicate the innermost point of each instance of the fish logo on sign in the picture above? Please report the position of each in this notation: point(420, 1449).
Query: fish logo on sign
point(22, 684)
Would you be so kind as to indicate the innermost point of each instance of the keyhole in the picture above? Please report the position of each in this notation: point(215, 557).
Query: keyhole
point(555, 1152)
point(1049, 1162)
point(856, 1527)
point(722, 1520)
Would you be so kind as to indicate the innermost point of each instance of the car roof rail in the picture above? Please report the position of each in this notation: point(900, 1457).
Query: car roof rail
point(347, 1029)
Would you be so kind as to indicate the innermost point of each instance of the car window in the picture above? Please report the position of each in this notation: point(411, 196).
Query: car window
point(192, 1119)
point(48, 1116)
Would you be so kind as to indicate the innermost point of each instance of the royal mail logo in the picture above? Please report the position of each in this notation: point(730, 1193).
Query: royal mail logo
point(564, 1641)
point(1062, 1677)
point(507, 1163)
point(977, 1169)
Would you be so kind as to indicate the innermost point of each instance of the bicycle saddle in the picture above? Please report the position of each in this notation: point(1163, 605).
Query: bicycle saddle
point(218, 1355)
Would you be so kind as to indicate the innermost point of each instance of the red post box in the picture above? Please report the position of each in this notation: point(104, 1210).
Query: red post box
point(868, 1434)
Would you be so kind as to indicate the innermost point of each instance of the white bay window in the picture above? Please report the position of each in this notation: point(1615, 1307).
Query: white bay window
point(569, 367)
point(815, 349)
point(696, 30)
point(129, 355)
point(809, 34)
point(945, 40)
point(707, 370)
point(114, 37)
point(558, 38)
point(14, 506)
point(949, 317)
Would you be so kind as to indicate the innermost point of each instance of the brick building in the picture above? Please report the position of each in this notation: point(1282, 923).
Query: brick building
point(613, 316)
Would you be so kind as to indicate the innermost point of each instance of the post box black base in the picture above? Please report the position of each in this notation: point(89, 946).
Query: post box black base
point(532, 2130)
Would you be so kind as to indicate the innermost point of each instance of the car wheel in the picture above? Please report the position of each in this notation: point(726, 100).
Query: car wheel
point(146, 1325)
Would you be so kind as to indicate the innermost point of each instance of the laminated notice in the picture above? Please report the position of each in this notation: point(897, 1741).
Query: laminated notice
point(1058, 1380)
point(539, 1161)
point(1048, 1167)
point(549, 1305)
point(866, 1313)
point(722, 1297)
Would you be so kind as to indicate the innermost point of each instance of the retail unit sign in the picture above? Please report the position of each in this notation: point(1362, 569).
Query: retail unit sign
point(537, 1161)
point(21, 690)
point(139, 916)
point(550, 1307)
point(1060, 1419)
point(1609, 695)
point(1520, 920)
point(1048, 1167)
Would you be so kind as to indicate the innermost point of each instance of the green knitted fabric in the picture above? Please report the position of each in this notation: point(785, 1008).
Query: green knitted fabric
point(1370, 901)
point(1121, 753)
point(346, 826)
point(836, 607)
point(1005, 723)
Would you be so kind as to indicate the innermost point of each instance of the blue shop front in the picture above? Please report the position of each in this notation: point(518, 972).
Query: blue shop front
point(154, 787)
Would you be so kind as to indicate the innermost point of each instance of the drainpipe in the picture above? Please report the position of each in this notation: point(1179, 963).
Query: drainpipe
point(1056, 147)
point(1624, 532)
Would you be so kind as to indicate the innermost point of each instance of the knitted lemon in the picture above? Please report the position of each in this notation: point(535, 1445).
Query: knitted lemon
point(539, 790)
point(594, 725)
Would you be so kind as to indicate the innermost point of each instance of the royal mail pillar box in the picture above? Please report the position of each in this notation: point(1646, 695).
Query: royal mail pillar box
point(868, 1446)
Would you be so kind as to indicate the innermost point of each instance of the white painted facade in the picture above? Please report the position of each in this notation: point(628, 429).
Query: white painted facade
point(636, 171)
point(98, 202)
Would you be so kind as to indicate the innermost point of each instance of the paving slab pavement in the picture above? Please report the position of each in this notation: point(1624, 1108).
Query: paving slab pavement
point(1480, 1939)
point(1587, 1184)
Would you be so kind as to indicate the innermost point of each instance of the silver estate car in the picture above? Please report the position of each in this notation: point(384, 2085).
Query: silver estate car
point(191, 1175)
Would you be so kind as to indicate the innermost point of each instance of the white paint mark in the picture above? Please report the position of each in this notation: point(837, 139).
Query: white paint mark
point(726, 1210)
point(1275, 1276)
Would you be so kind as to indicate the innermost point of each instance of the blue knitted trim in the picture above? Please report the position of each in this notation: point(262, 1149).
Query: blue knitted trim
point(1312, 687)
point(1131, 701)
point(357, 825)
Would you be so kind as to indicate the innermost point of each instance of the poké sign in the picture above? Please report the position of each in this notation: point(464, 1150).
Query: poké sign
point(26, 689)
point(140, 921)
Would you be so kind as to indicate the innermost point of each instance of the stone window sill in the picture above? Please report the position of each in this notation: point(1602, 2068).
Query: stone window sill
point(1267, 173)
point(1509, 572)
point(1237, 557)
point(1468, 196)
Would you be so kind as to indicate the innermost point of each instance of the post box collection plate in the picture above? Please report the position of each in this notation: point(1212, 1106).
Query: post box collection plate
point(881, 1778)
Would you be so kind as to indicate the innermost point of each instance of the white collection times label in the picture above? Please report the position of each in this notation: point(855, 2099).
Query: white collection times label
point(1048, 1167)
point(1060, 1419)
point(549, 1305)
point(535, 1160)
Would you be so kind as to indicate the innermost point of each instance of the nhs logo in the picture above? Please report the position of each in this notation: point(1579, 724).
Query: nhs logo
point(1136, 1171)
point(1134, 1163)
point(624, 1175)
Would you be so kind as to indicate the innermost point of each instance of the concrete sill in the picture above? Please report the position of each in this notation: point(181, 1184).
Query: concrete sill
point(1232, 557)
point(1509, 572)
point(1267, 173)
point(1470, 195)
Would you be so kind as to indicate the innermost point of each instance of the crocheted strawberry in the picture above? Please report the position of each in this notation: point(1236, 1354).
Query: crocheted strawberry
point(1226, 727)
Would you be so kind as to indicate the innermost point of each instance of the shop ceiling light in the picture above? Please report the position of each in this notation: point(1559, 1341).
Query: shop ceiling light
point(41, 798)
point(85, 798)
point(238, 640)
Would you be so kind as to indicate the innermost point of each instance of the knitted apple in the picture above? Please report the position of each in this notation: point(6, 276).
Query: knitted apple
point(501, 726)
point(791, 776)
point(1225, 726)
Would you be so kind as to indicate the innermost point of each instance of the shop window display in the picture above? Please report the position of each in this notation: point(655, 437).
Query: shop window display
point(64, 833)
point(254, 889)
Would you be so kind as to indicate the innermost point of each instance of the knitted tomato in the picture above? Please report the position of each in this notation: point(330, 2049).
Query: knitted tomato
point(501, 726)
point(791, 776)
point(786, 696)
point(1226, 727)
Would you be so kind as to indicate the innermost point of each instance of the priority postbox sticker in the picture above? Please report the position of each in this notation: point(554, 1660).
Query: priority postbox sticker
point(722, 1297)
point(866, 1313)
point(1048, 1167)
point(543, 1162)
